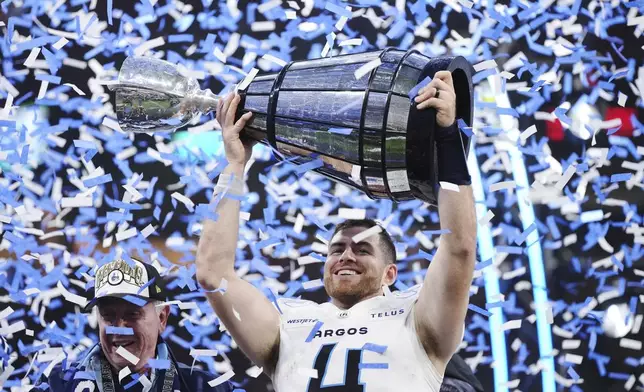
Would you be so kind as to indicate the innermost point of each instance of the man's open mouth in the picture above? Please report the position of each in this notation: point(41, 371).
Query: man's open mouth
point(347, 272)
point(122, 344)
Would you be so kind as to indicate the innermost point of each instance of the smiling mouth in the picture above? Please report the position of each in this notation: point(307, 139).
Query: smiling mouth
point(346, 273)
point(122, 344)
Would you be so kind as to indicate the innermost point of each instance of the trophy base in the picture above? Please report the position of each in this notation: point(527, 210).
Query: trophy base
point(422, 165)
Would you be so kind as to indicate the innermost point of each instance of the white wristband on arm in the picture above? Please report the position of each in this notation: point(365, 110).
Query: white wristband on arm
point(229, 183)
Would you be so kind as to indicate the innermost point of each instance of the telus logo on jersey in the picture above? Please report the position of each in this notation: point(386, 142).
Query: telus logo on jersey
point(328, 333)
point(386, 313)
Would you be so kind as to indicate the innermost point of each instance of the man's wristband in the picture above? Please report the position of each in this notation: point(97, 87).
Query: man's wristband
point(231, 184)
point(452, 162)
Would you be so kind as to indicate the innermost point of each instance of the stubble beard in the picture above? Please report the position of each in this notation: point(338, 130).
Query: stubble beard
point(350, 295)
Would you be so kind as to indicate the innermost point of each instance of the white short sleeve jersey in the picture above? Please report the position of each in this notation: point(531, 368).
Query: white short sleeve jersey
point(372, 347)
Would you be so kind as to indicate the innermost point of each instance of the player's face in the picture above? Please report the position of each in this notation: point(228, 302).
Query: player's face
point(145, 322)
point(354, 271)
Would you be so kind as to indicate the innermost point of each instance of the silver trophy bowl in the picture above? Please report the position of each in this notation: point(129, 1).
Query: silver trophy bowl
point(153, 96)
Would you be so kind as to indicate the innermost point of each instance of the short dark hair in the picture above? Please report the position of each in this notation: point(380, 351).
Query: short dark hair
point(385, 238)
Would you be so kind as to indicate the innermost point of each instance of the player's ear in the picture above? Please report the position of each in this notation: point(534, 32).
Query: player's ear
point(390, 274)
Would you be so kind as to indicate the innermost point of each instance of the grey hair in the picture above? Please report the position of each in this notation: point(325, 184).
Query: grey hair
point(158, 306)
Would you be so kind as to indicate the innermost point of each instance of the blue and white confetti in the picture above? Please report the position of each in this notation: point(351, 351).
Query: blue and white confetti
point(557, 139)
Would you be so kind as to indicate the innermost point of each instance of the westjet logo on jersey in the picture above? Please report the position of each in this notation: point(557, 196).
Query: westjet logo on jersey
point(301, 321)
point(387, 313)
point(328, 333)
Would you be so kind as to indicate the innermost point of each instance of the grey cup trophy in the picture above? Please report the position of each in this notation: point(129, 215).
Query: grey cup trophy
point(362, 131)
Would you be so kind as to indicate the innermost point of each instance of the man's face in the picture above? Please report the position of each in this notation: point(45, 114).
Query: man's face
point(145, 322)
point(354, 271)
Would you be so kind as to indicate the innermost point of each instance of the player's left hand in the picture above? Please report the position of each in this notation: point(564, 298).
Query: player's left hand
point(444, 101)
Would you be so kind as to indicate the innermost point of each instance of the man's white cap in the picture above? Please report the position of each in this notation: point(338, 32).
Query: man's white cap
point(120, 278)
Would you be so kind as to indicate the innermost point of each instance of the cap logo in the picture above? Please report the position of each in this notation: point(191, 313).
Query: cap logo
point(116, 272)
point(116, 277)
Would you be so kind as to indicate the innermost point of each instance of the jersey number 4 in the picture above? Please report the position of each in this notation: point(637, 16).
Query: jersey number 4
point(351, 372)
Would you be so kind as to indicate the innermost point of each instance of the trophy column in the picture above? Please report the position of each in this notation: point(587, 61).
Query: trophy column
point(366, 131)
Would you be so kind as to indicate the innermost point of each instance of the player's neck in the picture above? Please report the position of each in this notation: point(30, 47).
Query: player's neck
point(349, 304)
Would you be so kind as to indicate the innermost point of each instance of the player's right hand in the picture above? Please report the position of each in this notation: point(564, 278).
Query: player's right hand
point(238, 149)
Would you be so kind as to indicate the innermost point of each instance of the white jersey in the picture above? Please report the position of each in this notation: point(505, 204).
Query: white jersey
point(371, 347)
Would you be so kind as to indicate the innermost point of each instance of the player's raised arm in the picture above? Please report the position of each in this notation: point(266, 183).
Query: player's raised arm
point(248, 315)
point(442, 304)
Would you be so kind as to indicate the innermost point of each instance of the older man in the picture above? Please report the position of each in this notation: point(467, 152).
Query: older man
point(131, 354)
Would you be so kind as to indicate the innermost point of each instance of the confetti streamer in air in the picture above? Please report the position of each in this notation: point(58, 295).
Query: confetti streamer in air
point(221, 379)
point(368, 67)
point(123, 352)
